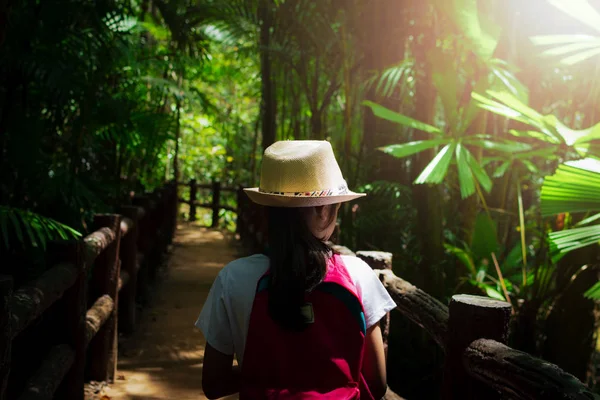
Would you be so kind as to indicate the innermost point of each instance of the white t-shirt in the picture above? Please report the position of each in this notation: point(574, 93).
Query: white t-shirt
point(225, 317)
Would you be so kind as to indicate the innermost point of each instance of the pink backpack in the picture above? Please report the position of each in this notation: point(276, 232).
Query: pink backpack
point(322, 362)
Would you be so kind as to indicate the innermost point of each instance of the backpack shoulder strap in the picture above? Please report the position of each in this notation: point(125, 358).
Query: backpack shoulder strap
point(339, 284)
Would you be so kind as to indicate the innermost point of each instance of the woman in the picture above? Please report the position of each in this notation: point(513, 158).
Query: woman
point(302, 321)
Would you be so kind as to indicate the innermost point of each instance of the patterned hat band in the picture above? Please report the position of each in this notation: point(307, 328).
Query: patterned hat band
point(339, 191)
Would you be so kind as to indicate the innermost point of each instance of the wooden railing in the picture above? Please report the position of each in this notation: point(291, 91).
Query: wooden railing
point(472, 331)
point(88, 295)
point(215, 205)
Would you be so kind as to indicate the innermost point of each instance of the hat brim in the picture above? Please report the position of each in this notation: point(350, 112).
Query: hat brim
point(277, 200)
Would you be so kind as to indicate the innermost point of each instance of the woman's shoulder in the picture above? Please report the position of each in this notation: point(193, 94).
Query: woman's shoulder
point(245, 268)
point(255, 259)
point(374, 297)
point(357, 268)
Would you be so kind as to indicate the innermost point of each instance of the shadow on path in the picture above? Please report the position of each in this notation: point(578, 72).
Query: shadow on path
point(163, 359)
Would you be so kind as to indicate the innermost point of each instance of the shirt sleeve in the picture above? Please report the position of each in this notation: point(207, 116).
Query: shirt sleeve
point(375, 299)
point(214, 319)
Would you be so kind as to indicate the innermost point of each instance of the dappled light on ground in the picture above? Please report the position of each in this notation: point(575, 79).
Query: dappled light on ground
point(163, 359)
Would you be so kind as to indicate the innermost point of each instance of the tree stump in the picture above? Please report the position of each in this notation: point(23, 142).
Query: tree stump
point(471, 318)
point(379, 260)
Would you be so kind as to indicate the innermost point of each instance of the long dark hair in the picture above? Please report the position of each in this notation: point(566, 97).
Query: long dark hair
point(298, 262)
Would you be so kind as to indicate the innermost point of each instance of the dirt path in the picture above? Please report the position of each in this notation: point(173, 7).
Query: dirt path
point(163, 359)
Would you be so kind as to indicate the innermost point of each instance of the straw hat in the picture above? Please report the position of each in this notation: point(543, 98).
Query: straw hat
point(300, 173)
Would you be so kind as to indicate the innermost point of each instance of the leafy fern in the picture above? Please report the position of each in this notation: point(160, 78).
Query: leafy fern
point(31, 229)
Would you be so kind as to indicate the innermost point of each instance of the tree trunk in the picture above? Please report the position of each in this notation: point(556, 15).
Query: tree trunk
point(382, 21)
point(427, 199)
point(316, 125)
point(420, 374)
point(268, 103)
point(177, 136)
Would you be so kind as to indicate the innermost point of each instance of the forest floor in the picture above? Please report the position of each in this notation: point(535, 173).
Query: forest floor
point(163, 358)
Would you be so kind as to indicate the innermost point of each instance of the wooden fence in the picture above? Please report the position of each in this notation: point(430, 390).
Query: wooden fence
point(88, 295)
point(215, 205)
point(472, 331)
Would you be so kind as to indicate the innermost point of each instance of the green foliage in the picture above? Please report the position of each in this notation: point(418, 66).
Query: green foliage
point(112, 97)
point(470, 171)
point(573, 48)
point(392, 79)
point(593, 292)
point(485, 236)
point(477, 257)
point(549, 128)
point(481, 32)
point(575, 187)
point(385, 220)
point(91, 108)
point(31, 229)
point(86, 120)
point(393, 116)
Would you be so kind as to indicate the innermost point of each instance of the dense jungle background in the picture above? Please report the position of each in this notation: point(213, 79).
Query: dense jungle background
point(472, 125)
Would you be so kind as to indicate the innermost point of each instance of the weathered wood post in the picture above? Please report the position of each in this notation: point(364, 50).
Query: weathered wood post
point(160, 214)
point(143, 245)
point(6, 288)
point(471, 318)
point(259, 227)
point(155, 239)
point(216, 200)
point(74, 301)
point(129, 265)
point(520, 376)
point(239, 221)
point(245, 219)
point(379, 260)
point(193, 193)
point(165, 216)
point(168, 222)
point(105, 280)
point(174, 206)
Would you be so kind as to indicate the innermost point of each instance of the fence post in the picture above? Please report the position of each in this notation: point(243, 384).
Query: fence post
point(216, 199)
point(379, 260)
point(6, 288)
point(174, 205)
point(239, 229)
point(193, 191)
point(471, 318)
point(105, 280)
point(129, 264)
point(155, 221)
point(167, 213)
point(160, 214)
point(143, 245)
point(75, 309)
point(260, 228)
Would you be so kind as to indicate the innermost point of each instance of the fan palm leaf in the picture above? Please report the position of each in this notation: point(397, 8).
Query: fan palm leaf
point(573, 48)
point(575, 187)
point(470, 171)
point(548, 127)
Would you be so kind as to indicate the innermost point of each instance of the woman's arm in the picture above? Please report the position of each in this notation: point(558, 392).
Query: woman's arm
point(373, 368)
point(220, 377)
